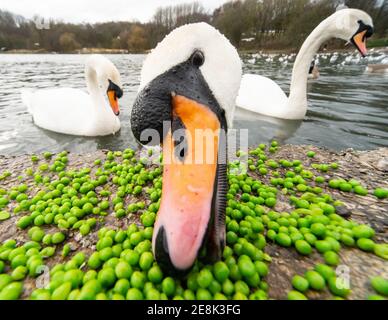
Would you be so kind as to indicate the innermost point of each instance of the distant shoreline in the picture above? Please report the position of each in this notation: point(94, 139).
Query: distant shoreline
point(122, 51)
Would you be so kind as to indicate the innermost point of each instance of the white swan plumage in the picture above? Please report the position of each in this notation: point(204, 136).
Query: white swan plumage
point(75, 112)
point(262, 95)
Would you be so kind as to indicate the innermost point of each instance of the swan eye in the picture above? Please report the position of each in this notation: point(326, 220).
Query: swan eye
point(197, 59)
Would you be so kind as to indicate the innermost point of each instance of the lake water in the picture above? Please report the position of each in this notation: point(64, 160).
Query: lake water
point(348, 108)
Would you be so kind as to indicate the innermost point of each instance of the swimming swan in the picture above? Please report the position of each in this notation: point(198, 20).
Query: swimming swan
point(262, 95)
point(75, 112)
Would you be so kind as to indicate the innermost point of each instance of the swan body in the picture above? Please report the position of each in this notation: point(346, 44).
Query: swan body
point(75, 112)
point(262, 95)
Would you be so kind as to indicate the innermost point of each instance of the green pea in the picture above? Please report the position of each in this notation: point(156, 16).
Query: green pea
point(47, 252)
point(152, 294)
point(331, 258)
point(66, 250)
point(295, 295)
point(190, 295)
point(221, 271)
point(204, 278)
point(74, 277)
point(58, 237)
point(138, 280)
point(316, 281)
point(228, 287)
point(11, 291)
point(366, 244)
point(303, 247)
point(347, 240)
point(337, 290)
point(4, 215)
point(94, 261)
point(242, 287)
point(10, 244)
point(381, 250)
point(84, 229)
point(300, 283)
point(283, 239)
point(323, 246)
point(311, 154)
point(360, 190)
point(375, 297)
point(24, 222)
point(155, 274)
point(325, 271)
point(19, 260)
point(168, 286)
point(79, 258)
point(40, 294)
point(134, 294)
point(381, 193)
point(19, 273)
point(106, 254)
point(105, 242)
point(270, 202)
point(310, 238)
point(380, 285)
point(246, 266)
point(203, 294)
point(318, 229)
point(363, 231)
point(121, 287)
point(107, 277)
point(90, 290)
point(146, 260)
point(62, 292)
point(123, 270)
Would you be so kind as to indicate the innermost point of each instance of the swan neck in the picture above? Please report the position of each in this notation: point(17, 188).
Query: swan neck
point(94, 90)
point(298, 89)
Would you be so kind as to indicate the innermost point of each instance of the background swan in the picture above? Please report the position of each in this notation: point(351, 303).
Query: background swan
point(313, 71)
point(75, 112)
point(262, 95)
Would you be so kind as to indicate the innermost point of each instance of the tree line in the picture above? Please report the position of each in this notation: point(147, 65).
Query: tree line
point(249, 24)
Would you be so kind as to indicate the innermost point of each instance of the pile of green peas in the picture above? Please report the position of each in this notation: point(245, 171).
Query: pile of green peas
point(121, 266)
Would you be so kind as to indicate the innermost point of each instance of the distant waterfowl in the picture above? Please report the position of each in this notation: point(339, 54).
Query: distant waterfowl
point(190, 81)
point(75, 112)
point(313, 71)
point(262, 95)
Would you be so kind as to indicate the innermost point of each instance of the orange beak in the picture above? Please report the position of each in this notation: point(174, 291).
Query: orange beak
point(189, 181)
point(113, 101)
point(359, 41)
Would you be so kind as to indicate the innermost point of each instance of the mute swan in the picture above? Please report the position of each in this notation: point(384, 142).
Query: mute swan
point(262, 95)
point(189, 88)
point(73, 111)
point(313, 71)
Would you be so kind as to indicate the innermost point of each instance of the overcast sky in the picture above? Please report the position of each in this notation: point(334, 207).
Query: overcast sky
point(94, 10)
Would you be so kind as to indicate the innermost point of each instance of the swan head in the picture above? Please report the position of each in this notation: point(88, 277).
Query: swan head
point(189, 84)
point(101, 72)
point(354, 26)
